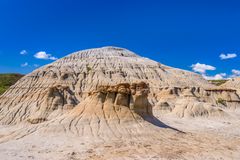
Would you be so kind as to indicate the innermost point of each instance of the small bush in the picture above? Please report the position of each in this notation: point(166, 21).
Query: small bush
point(88, 68)
point(218, 82)
point(36, 120)
point(221, 101)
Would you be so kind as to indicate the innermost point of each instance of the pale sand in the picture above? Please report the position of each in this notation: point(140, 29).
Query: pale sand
point(204, 139)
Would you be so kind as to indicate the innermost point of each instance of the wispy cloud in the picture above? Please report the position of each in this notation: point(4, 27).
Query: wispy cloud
point(202, 68)
point(24, 64)
point(227, 56)
point(44, 55)
point(216, 77)
point(23, 52)
point(36, 65)
point(235, 73)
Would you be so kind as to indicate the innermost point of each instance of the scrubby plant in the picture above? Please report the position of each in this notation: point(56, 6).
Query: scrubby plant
point(36, 120)
point(88, 68)
point(218, 82)
point(221, 101)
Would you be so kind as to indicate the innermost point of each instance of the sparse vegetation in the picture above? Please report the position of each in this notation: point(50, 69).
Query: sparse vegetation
point(36, 120)
point(221, 101)
point(88, 68)
point(6, 80)
point(218, 82)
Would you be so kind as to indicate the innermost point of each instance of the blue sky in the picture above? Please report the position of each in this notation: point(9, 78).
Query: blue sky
point(185, 34)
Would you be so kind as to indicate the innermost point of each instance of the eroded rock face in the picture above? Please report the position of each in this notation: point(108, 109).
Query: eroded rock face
point(57, 101)
point(60, 97)
point(134, 96)
point(82, 72)
point(195, 101)
point(61, 86)
point(107, 111)
point(38, 104)
point(192, 107)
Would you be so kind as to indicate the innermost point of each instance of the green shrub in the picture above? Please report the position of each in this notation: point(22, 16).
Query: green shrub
point(221, 101)
point(88, 68)
point(218, 82)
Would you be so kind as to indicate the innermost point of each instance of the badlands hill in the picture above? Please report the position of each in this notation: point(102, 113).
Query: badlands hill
point(113, 96)
point(51, 90)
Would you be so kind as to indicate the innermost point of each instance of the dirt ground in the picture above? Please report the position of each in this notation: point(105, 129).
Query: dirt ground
point(193, 138)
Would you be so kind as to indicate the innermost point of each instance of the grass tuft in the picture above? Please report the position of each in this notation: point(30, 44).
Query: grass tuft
point(218, 82)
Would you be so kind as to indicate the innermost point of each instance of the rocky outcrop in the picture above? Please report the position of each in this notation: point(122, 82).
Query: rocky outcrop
point(37, 104)
point(192, 107)
point(53, 89)
point(233, 83)
point(195, 101)
point(107, 112)
point(134, 96)
point(61, 86)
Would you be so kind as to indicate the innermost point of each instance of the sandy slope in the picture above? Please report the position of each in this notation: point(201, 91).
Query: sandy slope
point(200, 138)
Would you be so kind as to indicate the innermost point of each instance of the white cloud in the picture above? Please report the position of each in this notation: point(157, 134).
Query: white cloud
point(44, 55)
point(227, 56)
point(235, 73)
point(215, 77)
point(23, 52)
point(202, 68)
point(36, 65)
point(24, 64)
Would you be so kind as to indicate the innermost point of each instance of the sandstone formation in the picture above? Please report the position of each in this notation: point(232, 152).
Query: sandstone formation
point(59, 87)
point(107, 111)
point(233, 83)
point(195, 101)
point(110, 98)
